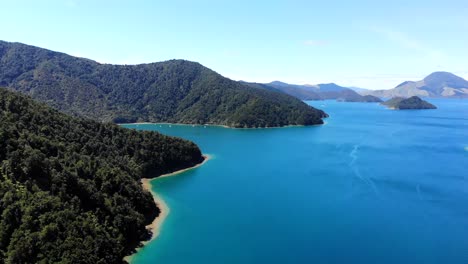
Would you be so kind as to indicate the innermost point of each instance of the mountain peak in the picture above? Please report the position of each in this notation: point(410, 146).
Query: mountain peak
point(278, 83)
point(445, 79)
point(404, 83)
point(328, 87)
point(436, 84)
point(441, 74)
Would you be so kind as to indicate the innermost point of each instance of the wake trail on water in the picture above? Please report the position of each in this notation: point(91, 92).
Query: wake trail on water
point(418, 190)
point(368, 181)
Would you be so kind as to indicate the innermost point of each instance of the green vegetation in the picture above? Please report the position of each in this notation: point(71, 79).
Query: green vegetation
point(69, 187)
point(174, 91)
point(413, 102)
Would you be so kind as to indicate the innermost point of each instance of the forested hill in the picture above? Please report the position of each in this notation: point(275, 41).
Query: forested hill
point(69, 187)
point(172, 91)
point(414, 102)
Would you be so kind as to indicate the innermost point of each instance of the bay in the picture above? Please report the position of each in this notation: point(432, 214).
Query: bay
point(372, 185)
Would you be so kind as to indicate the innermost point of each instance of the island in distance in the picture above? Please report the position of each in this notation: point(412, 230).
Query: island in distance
point(327, 91)
point(412, 103)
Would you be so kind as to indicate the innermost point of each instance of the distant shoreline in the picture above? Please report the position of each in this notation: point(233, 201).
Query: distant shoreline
point(223, 126)
point(155, 226)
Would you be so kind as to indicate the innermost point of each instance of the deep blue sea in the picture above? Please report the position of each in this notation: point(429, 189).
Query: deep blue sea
point(371, 186)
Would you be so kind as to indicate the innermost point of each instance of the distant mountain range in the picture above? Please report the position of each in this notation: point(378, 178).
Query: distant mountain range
point(318, 92)
point(437, 84)
point(359, 89)
point(175, 91)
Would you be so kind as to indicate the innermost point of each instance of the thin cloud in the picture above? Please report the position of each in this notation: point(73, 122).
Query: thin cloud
point(71, 3)
point(407, 42)
point(463, 74)
point(315, 43)
point(230, 53)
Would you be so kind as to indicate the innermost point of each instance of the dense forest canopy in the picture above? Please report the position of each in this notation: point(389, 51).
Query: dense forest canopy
point(69, 187)
point(175, 91)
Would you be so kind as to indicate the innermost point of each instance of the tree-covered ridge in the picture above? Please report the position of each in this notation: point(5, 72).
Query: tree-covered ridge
point(69, 187)
point(174, 91)
point(413, 102)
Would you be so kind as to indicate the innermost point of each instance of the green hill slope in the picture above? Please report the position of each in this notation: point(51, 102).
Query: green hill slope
point(173, 91)
point(69, 187)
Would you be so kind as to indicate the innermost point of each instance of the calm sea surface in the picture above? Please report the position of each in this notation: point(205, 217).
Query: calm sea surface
point(371, 186)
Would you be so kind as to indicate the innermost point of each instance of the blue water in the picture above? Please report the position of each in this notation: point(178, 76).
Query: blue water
point(371, 186)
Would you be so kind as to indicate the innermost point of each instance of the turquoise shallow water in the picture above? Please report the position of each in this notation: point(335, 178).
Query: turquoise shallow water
point(371, 186)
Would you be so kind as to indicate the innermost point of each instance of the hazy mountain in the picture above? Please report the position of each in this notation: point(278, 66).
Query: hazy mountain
point(359, 90)
point(322, 92)
point(414, 102)
point(329, 87)
point(302, 92)
point(437, 84)
point(175, 91)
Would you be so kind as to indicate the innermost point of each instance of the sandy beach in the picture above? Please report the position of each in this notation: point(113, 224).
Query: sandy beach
point(155, 226)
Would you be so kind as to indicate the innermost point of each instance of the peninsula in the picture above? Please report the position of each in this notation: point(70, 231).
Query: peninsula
point(70, 187)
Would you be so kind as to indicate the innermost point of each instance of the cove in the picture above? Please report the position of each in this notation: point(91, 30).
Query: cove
point(371, 186)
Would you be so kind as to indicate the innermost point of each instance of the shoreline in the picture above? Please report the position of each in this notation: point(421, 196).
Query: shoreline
point(156, 226)
point(223, 126)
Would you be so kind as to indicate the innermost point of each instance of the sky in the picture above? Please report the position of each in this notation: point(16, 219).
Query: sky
point(362, 43)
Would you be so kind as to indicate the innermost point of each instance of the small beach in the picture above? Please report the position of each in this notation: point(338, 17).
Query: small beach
point(155, 226)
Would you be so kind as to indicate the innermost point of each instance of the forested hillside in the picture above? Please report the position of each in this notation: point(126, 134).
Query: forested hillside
point(173, 91)
point(69, 187)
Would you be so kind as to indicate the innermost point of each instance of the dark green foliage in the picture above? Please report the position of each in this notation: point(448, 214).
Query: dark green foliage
point(413, 102)
point(69, 187)
point(174, 91)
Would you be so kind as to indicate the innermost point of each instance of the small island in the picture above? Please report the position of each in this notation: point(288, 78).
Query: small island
point(412, 103)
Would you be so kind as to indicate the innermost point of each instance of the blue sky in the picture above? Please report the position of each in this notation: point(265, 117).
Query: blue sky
point(370, 44)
